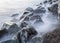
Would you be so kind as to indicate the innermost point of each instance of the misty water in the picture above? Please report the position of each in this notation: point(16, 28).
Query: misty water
point(10, 7)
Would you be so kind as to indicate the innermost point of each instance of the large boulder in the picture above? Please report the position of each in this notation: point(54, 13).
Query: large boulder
point(11, 27)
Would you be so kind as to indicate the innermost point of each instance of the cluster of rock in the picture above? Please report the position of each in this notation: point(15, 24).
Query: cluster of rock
point(25, 33)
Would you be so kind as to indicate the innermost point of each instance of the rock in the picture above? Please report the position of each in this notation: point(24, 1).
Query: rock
point(29, 9)
point(40, 3)
point(23, 24)
point(45, 1)
point(54, 9)
point(39, 10)
point(26, 18)
point(22, 17)
point(11, 27)
point(14, 15)
point(52, 37)
point(55, 0)
point(25, 13)
point(37, 18)
point(3, 32)
point(26, 34)
point(50, 1)
point(31, 14)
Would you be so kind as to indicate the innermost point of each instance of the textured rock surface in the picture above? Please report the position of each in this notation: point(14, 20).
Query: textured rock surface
point(26, 34)
point(52, 37)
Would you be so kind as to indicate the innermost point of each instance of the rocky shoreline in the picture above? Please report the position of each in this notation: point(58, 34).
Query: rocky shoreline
point(23, 30)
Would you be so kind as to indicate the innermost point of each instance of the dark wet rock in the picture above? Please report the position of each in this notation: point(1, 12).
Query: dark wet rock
point(40, 3)
point(11, 27)
point(39, 10)
point(50, 1)
point(54, 9)
point(25, 12)
point(23, 24)
point(3, 32)
point(26, 34)
point(52, 37)
point(45, 1)
point(55, 0)
point(29, 9)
